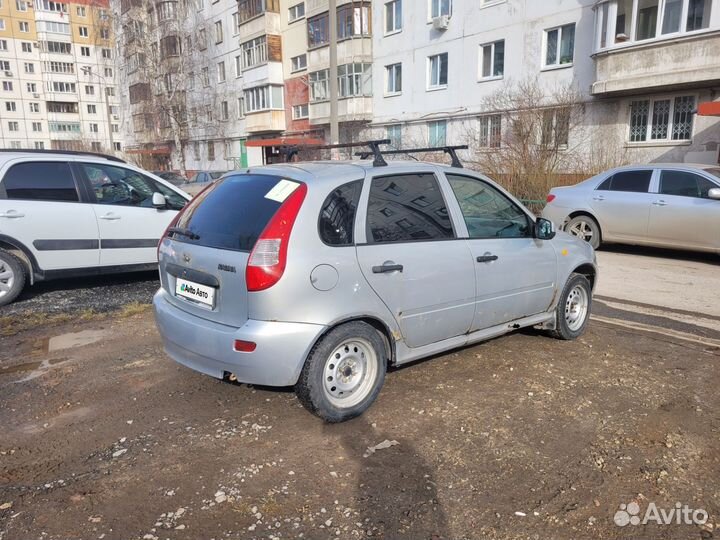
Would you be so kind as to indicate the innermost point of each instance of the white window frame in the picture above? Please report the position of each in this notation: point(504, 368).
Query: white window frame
point(293, 14)
point(487, 133)
point(434, 124)
point(481, 61)
point(2, 24)
point(254, 52)
point(221, 73)
point(439, 3)
point(219, 36)
point(649, 141)
point(440, 86)
point(83, 31)
point(390, 9)
point(304, 111)
point(390, 78)
point(560, 30)
point(392, 138)
point(263, 98)
point(295, 68)
point(24, 26)
point(355, 80)
point(319, 80)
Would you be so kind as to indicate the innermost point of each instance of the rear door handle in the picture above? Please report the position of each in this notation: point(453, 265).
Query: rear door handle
point(598, 198)
point(385, 268)
point(660, 203)
point(487, 258)
point(12, 214)
point(110, 217)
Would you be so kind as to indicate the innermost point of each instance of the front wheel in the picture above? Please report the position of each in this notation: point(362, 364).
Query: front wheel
point(573, 310)
point(343, 373)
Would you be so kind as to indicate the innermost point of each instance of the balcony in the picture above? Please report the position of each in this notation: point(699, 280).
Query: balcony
point(670, 64)
point(258, 17)
point(265, 121)
point(351, 109)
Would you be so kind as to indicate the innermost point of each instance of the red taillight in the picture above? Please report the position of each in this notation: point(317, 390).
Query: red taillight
point(550, 198)
point(269, 255)
point(244, 346)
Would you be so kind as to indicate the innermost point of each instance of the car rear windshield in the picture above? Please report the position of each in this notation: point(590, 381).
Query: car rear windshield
point(232, 213)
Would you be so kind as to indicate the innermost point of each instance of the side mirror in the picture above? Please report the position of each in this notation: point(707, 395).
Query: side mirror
point(544, 229)
point(159, 201)
point(714, 193)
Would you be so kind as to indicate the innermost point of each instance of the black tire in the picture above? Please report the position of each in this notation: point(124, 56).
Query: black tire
point(311, 386)
point(563, 328)
point(19, 275)
point(590, 225)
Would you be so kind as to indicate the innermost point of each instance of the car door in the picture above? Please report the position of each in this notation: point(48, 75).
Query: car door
point(129, 225)
point(515, 273)
point(41, 206)
point(682, 214)
point(412, 258)
point(622, 204)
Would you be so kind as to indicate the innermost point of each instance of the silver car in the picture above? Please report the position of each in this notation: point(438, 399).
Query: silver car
point(665, 205)
point(321, 275)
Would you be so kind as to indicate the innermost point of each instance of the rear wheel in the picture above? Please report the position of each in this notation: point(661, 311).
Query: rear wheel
point(343, 373)
point(573, 310)
point(12, 277)
point(585, 228)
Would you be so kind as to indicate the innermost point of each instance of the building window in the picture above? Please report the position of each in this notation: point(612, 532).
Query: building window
point(104, 33)
point(4, 65)
point(29, 67)
point(7, 86)
point(559, 46)
point(235, 23)
point(15, 145)
point(31, 88)
point(221, 72)
point(298, 63)
point(107, 54)
point(490, 131)
point(83, 31)
point(440, 7)
point(39, 145)
point(238, 66)
point(438, 71)
point(319, 90)
point(89, 90)
point(48, 5)
point(205, 76)
point(54, 27)
point(296, 12)
point(224, 111)
point(92, 109)
point(393, 16)
point(438, 133)
point(666, 119)
point(354, 80)
point(492, 60)
point(2, 24)
point(24, 26)
point(167, 11)
point(20, 5)
point(59, 47)
point(393, 79)
point(13, 126)
point(117, 146)
point(108, 72)
point(254, 52)
point(93, 128)
point(10, 106)
point(240, 107)
point(300, 112)
point(202, 39)
point(555, 128)
point(85, 51)
point(250, 9)
point(37, 127)
point(80, 10)
point(211, 150)
point(318, 31)
point(110, 91)
point(262, 98)
point(218, 32)
point(353, 20)
point(394, 133)
point(34, 107)
point(26, 47)
point(3, 45)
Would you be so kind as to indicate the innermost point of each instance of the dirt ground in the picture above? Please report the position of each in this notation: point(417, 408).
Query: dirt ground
point(520, 437)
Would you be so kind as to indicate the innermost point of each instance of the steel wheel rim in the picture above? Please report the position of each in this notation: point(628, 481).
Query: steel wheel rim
point(350, 373)
point(576, 307)
point(582, 229)
point(7, 278)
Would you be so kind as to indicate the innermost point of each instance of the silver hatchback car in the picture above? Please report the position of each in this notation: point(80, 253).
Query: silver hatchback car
point(320, 275)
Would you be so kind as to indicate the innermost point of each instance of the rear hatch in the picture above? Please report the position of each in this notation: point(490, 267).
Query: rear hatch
point(204, 254)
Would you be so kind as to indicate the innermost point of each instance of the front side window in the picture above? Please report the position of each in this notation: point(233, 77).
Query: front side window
point(393, 16)
point(559, 46)
point(393, 79)
point(125, 187)
point(440, 7)
point(662, 119)
point(437, 133)
point(487, 212)
point(438, 71)
point(492, 60)
point(337, 216)
point(406, 208)
point(629, 181)
point(40, 181)
point(685, 184)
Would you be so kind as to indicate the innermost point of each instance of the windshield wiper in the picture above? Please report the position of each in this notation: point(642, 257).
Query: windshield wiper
point(184, 232)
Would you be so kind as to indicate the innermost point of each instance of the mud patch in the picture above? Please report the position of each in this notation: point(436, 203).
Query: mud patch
point(75, 339)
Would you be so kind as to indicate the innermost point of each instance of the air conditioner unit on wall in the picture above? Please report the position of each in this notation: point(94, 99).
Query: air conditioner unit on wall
point(441, 23)
point(8, 73)
point(36, 96)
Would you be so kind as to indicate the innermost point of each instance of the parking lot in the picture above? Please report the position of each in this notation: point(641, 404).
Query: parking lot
point(520, 437)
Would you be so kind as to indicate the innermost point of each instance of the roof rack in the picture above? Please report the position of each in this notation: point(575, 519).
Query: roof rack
point(65, 152)
point(450, 150)
point(292, 151)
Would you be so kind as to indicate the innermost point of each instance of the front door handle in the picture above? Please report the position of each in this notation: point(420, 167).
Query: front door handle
point(660, 203)
point(385, 268)
point(487, 258)
point(12, 214)
point(110, 217)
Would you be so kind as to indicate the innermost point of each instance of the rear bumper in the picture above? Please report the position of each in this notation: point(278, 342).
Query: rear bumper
point(207, 347)
point(556, 214)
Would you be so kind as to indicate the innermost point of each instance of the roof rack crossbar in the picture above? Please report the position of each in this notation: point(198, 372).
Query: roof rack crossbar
point(292, 151)
point(450, 150)
point(62, 152)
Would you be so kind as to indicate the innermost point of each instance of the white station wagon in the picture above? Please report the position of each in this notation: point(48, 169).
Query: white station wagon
point(68, 214)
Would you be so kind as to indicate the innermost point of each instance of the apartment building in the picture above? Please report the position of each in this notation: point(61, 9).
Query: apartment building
point(57, 75)
point(638, 69)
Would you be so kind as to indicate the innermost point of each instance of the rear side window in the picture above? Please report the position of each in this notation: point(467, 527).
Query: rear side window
point(405, 208)
point(685, 184)
point(337, 217)
point(632, 181)
point(40, 181)
point(233, 212)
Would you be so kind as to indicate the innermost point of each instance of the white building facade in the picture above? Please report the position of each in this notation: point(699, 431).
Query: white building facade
point(638, 69)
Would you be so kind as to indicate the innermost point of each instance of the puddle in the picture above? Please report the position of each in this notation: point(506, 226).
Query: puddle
point(35, 369)
point(75, 339)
